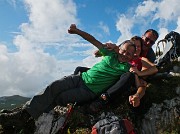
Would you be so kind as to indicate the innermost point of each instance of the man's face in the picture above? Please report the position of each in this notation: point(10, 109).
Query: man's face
point(126, 53)
point(149, 40)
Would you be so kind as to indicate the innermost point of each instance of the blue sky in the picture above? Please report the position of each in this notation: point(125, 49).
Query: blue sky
point(35, 48)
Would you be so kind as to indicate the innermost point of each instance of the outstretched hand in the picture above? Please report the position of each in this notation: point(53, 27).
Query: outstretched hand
point(110, 46)
point(72, 29)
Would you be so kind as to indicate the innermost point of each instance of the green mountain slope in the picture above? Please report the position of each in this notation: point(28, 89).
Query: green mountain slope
point(10, 102)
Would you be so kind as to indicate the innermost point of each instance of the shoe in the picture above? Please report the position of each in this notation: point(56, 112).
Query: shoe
point(105, 97)
point(99, 104)
point(17, 119)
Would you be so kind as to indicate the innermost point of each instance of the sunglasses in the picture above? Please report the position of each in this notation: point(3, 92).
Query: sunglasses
point(149, 40)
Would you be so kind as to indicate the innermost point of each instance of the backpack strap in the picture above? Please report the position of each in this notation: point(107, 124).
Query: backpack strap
point(129, 126)
point(158, 49)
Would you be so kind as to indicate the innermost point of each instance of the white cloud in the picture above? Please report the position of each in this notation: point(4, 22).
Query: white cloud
point(49, 20)
point(30, 68)
point(178, 25)
point(145, 8)
point(168, 10)
point(124, 25)
point(104, 27)
point(162, 13)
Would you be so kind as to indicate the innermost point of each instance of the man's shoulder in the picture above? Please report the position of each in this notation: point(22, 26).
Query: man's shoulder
point(105, 52)
point(151, 55)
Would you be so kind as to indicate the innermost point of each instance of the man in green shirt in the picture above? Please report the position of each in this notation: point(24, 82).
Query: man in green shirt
point(76, 88)
point(104, 73)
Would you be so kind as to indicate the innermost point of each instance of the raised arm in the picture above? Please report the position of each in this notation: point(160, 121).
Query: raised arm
point(110, 47)
point(74, 30)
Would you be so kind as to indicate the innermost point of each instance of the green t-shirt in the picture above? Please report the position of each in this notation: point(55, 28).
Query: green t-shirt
point(105, 73)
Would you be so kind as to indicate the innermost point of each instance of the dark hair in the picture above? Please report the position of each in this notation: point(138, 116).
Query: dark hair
point(154, 32)
point(137, 38)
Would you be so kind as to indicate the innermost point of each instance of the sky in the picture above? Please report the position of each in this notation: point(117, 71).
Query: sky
point(36, 49)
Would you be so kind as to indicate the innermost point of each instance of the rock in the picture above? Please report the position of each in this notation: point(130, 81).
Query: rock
point(176, 69)
point(178, 90)
point(161, 116)
point(52, 122)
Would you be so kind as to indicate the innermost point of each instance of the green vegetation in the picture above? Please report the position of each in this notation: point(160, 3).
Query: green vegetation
point(11, 102)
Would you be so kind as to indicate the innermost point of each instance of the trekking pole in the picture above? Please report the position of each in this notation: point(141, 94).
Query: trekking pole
point(69, 112)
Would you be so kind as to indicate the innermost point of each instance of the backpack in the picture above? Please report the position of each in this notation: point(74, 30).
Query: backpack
point(111, 124)
point(168, 49)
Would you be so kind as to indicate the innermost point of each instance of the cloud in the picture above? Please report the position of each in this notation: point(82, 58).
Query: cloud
point(45, 52)
point(141, 16)
point(104, 27)
point(124, 25)
point(162, 14)
point(168, 10)
point(49, 20)
point(178, 25)
point(31, 67)
point(145, 8)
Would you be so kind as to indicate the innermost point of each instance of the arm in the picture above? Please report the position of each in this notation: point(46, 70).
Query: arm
point(148, 68)
point(80, 70)
point(74, 30)
point(135, 99)
point(110, 47)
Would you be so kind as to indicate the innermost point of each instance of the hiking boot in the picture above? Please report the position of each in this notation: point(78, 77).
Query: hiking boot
point(17, 119)
point(100, 103)
point(105, 97)
point(97, 106)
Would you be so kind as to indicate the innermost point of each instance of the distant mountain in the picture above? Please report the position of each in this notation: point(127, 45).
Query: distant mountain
point(10, 102)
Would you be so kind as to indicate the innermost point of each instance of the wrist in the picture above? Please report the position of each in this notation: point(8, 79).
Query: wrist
point(137, 95)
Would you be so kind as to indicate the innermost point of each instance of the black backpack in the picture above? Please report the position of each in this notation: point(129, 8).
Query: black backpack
point(111, 124)
point(168, 49)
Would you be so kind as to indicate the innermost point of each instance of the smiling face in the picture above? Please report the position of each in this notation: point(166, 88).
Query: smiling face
point(126, 52)
point(138, 43)
point(149, 39)
point(138, 48)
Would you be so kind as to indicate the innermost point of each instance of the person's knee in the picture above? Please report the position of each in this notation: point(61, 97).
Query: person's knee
point(131, 75)
point(128, 75)
point(76, 71)
point(80, 69)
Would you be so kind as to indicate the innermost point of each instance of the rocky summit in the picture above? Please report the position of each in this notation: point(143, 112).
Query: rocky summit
point(158, 113)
